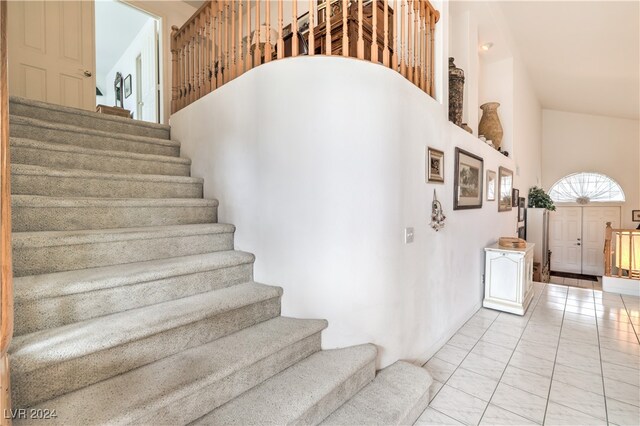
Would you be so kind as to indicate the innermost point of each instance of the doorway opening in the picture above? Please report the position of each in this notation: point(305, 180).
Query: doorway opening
point(127, 60)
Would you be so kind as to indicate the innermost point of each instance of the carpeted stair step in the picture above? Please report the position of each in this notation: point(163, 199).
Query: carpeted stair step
point(53, 300)
point(55, 251)
point(40, 130)
point(187, 385)
point(49, 363)
point(87, 119)
point(397, 396)
point(36, 180)
point(64, 156)
point(305, 393)
point(38, 213)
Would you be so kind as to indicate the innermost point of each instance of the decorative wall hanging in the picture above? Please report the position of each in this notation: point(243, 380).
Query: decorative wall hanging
point(117, 88)
point(521, 208)
point(456, 91)
point(127, 86)
point(467, 185)
point(515, 194)
point(490, 125)
point(505, 185)
point(435, 165)
point(491, 185)
point(437, 216)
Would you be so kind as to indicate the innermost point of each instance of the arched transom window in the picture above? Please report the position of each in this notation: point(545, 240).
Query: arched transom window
point(583, 188)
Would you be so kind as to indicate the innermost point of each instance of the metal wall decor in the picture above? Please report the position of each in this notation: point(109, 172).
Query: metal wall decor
point(437, 216)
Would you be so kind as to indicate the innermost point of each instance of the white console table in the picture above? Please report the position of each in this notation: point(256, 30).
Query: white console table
point(508, 283)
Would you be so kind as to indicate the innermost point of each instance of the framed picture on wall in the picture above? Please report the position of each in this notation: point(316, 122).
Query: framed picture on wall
point(435, 165)
point(127, 86)
point(521, 208)
point(467, 185)
point(635, 215)
point(505, 185)
point(491, 185)
point(514, 197)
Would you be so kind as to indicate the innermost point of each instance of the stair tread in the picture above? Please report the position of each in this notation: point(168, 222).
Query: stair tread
point(32, 351)
point(63, 238)
point(57, 284)
point(98, 116)
point(52, 146)
point(132, 395)
point(34, 122)
point(287, 396)
point(398, 395)
point(28, 169)
point(22, 200)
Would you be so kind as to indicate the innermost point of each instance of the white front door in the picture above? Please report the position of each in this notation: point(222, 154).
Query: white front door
point(51, 52)
point(594, 222)
point(565, 234)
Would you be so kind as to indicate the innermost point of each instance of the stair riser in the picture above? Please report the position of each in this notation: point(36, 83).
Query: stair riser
point(64, 117)
point(214, 395)
point(43, 259)
point(88, 140)
point(100, 163)
point(47, 313)
point(42, 384)
point(26, 219)
point(60, 186)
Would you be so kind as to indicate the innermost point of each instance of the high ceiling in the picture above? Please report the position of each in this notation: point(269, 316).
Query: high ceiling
point(582, 56)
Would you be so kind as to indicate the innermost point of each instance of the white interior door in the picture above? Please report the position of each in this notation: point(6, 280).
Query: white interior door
point(149, 74)
point(565, 234)
point(51, 52)
point(594, 221)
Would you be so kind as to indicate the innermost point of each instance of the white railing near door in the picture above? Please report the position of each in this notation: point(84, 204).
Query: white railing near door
point(622, 253)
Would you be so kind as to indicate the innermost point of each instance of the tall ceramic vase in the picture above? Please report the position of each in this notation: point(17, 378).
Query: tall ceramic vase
point(490, 125)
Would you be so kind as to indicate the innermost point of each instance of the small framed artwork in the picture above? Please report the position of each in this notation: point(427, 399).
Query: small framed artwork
point(467, 185)
point(521, 208)
point(127, 86)
point(515, 195)
point(435, 165)
point(505, 185)
point(635, 215)
point(491, 185)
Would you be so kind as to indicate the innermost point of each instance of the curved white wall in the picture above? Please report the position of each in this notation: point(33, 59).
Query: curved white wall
point(319, 162)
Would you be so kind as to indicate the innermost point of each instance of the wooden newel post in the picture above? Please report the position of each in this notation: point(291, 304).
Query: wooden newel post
point(607, 249)
point(174, 69)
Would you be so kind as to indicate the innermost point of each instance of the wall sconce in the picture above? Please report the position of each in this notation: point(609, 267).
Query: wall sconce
point(486, 46)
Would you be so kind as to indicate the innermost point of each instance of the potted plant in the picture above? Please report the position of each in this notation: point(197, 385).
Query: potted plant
point(540, 199)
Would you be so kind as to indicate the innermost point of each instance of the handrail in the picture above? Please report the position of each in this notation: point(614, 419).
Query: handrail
point(225, 38)
point(622, 252)
point(6, 273)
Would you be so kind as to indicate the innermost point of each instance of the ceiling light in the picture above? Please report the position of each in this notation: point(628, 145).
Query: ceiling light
point(486, 46)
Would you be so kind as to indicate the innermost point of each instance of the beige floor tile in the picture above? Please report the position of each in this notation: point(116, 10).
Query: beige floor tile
point(434, 417)
point(473, 383)
point(621, 413)
point(495, 415)
point(526, 381)
point(588, 381)
point(440, 370)
point(532, 364)
point(459, 405)
point(581, 400)
point(621, 373)
point(451, 354)
point(621, 391)
point(463, 341)
point(560, 415)
point(522, 403)
point(485, 366)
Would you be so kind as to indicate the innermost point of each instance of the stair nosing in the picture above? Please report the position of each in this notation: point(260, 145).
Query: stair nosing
point(61, 147)
point(70, 110)
point(32, 288)
point(51, 125)
point(193, 309)
point(43, 201)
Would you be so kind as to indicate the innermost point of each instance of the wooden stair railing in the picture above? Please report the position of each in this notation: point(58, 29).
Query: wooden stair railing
point(622, 252)
point(6, 272)
point(226, 38)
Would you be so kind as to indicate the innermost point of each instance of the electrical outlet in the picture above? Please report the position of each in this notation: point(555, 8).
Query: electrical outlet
point(408, 235)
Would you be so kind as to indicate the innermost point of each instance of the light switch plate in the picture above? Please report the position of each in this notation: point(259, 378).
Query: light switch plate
point(408, 235)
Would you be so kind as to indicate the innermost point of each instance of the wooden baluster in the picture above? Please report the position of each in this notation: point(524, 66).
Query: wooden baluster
point(423, 46)
point(232, 46)
point(240, 61)
point(410, 46)
point(607, 249)
point(327, 26)
point(295, 48)
point(394, 55)
point(174, 69)
point(619, 253)
point(345, 27)
point(218, 43)
point(312, 41)
point(189, 58)
point(210, 52)
point(268, 48)
point(416, 43)
point(226, 75)
point(385, 50)
point(193, 63)
point(280, 44)
point(183, 74)
point(403, 46)
point(257, 53)
point(197, 58)
point(374, 36)
point(360, 47)
point(429, 53)
point(630, 260)
point(432, 28)
point(247, 47)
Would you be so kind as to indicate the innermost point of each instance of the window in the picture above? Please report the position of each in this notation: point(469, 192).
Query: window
point(583, 188)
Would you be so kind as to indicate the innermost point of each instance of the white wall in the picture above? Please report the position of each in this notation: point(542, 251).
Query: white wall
point(321, 175)
point(575, 143)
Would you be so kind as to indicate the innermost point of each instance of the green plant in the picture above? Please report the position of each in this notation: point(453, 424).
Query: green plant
point(540, 199)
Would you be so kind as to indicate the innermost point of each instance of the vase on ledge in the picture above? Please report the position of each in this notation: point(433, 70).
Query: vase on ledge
point(456, 92)
point(490, 125)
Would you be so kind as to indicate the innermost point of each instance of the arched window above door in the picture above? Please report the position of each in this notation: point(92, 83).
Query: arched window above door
point(583, 188)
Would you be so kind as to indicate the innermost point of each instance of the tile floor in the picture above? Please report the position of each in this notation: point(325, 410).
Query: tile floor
point(573, 282)
point(573, 359)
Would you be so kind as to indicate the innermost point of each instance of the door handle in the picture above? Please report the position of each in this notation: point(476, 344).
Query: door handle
point(87, 73)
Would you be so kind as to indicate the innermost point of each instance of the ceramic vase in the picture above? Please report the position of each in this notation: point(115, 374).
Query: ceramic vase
point(490, 125)
point(456, 91)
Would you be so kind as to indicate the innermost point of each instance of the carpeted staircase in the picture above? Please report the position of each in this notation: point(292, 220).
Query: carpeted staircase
point(132, 305)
